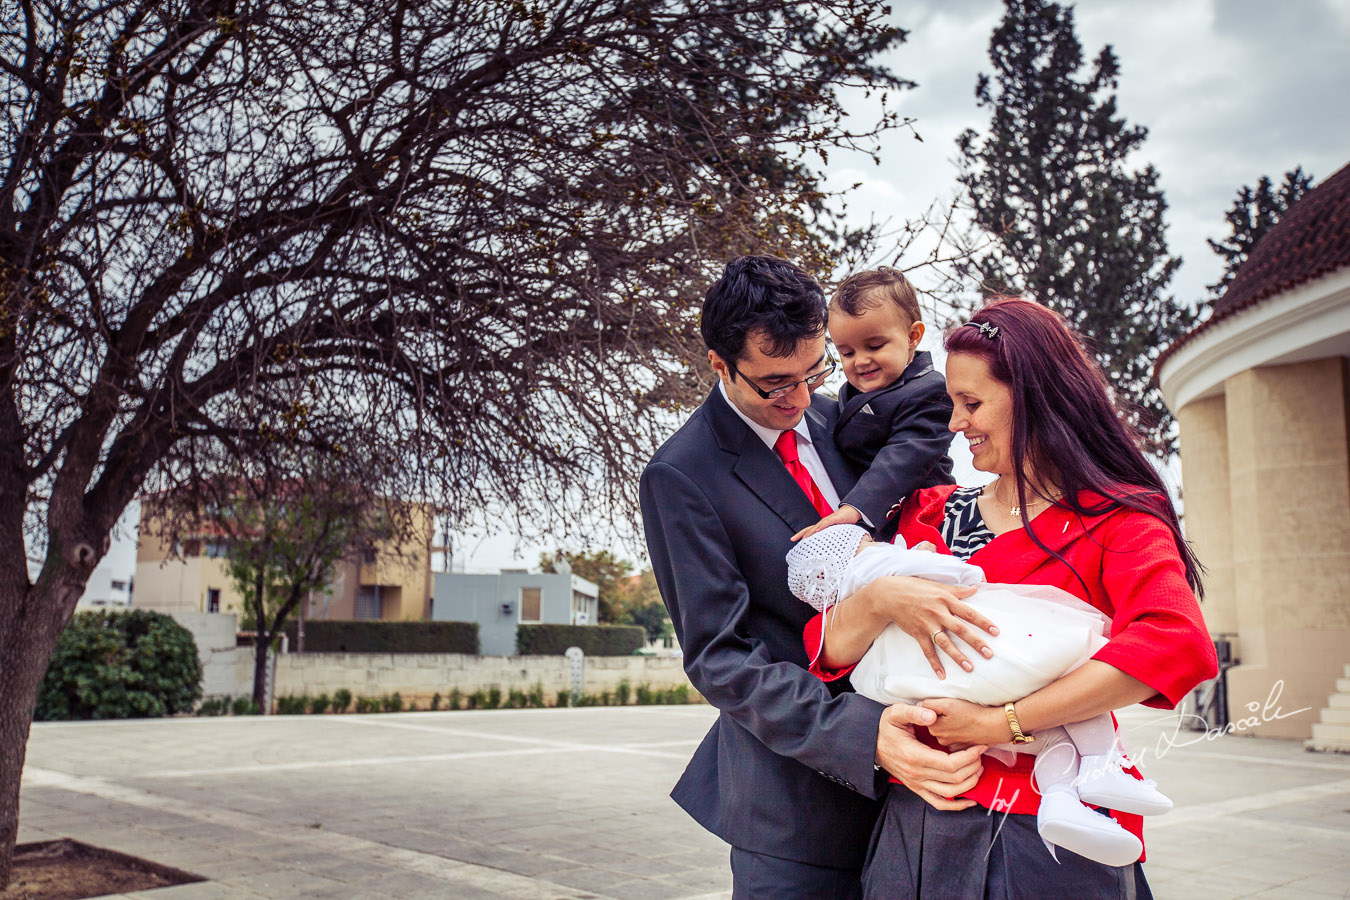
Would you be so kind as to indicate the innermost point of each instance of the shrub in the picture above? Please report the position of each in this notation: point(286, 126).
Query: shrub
point(645, 695)
point(214, 706)
point(367, 704)
point(319, 705)
point(342, 698)
point(537, 695)
point(120, 665)
point(456, 698)
point(623, 692)
point(494, 697)
point(392, 702)
point(244, 706)
point(479, 699)
point(564, 698)
point(367, 636)
point(678, 695)
point(292, 706)
point(435, 701)
point(594, 640)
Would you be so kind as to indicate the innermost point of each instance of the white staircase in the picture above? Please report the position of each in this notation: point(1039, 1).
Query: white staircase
point(1332, 733)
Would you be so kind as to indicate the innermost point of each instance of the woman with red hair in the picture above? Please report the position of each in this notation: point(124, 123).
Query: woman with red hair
point(1075, 505)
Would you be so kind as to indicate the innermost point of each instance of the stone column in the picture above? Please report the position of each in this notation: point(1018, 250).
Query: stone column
point(1289, 472)
point(1208, 507)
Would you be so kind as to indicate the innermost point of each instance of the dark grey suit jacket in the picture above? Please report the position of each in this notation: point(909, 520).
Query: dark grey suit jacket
point(787, 769)
point(896, 437)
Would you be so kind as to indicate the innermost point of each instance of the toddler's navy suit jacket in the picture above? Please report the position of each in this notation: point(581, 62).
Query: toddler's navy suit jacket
point(787, 769)
point(897, 438)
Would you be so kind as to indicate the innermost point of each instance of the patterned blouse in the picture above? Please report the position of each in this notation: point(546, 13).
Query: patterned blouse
point(963, 527)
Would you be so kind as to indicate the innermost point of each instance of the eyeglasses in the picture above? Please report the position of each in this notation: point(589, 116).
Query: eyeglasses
point(811, 381)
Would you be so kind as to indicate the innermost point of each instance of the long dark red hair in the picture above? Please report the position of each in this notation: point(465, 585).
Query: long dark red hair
point(1065, 423)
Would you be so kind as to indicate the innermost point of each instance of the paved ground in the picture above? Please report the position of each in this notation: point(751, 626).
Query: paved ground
point(572, 804)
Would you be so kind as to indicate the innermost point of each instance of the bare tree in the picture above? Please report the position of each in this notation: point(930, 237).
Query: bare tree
point(467, 235)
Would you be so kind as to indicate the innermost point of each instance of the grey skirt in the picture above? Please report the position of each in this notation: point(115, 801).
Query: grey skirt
point(920, 853)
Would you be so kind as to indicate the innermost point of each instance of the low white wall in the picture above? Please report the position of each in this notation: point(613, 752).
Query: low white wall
point(416, 677)
point(214, 634)
point(227, 670)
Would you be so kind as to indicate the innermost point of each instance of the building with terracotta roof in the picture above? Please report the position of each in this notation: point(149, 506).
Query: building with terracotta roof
point(1261, 392)
point(389, 580)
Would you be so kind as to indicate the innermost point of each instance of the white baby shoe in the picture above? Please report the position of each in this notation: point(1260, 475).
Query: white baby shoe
point(1065, 822)
point(1102, 782)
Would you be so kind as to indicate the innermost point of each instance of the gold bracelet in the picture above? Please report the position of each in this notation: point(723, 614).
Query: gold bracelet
point(1017, 736)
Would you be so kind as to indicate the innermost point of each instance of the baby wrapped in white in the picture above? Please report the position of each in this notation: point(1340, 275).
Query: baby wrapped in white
point(1044, 633)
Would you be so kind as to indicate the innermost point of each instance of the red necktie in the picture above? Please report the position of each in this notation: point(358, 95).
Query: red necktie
point(786, 448)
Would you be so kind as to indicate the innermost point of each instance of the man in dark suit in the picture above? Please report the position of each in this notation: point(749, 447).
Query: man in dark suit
point(789, 773)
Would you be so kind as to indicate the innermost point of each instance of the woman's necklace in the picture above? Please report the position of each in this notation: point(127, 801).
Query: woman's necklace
point(1015, 510)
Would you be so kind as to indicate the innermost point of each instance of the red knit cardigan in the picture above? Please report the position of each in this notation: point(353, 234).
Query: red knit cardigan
point(1133, 573)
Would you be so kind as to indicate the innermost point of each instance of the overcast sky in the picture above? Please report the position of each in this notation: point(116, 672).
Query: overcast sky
point(1229, 90)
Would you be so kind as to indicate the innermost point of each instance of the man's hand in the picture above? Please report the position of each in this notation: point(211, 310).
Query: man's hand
point(844, 515)
point(935, 776)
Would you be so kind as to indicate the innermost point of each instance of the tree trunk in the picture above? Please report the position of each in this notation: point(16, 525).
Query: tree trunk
point(266, 637)
point(30, 623)
point(260, 645)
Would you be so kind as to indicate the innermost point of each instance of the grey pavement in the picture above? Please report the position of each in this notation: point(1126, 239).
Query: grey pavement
point(572, 804)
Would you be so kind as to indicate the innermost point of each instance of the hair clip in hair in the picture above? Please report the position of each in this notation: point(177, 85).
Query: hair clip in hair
point(989, 331)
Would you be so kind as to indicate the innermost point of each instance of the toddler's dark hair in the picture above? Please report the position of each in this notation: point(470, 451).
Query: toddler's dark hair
point(864, 290)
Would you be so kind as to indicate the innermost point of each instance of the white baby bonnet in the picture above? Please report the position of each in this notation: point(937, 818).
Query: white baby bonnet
point(816, 565)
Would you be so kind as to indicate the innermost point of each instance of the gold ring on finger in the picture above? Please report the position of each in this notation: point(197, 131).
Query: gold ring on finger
point(934, 636)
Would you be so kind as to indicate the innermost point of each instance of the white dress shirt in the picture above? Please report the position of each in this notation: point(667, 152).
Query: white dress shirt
point(806, 450)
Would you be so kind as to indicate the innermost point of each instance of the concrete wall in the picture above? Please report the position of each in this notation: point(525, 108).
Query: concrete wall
point(215, 638)
point(416, 676)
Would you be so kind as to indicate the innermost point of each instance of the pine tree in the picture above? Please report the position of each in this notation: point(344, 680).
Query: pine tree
point(1254, 212)
point(1073, 227)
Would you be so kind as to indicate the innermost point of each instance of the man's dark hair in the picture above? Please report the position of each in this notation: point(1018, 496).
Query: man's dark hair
point(762, 294)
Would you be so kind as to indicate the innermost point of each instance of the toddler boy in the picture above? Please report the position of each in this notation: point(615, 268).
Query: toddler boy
point(893, 412)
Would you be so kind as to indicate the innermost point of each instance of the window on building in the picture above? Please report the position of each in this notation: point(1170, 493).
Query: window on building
point(213, 600)
point(367, 603)
point(531, 603)
point(192, 548)
point(215, 549)
point(581, 609)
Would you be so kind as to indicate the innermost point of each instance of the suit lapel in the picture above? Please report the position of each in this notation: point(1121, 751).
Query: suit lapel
point(851, 402)
point(822, 438)
point(758, 467)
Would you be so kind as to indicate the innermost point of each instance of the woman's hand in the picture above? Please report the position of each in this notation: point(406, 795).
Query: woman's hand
point(935, 776)
point(931, 613)
point(961, 724)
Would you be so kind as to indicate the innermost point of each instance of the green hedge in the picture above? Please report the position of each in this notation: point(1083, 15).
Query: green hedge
point(373, 636)
point(594, 640)
point(120, 665)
